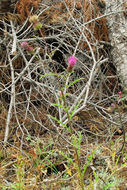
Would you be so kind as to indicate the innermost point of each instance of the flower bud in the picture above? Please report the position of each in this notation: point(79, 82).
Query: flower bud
point(37, 25)
point(33, 18)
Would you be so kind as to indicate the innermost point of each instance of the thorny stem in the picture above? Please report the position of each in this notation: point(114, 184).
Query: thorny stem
point(65, 105)
point(63, 98)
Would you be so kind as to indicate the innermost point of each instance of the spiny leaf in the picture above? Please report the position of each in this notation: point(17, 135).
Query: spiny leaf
point(72, 83)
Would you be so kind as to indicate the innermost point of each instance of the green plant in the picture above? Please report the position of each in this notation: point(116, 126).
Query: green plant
point(62, 93)
point(19, 183)
point(76, 142)
point(20, 174)
point(41, 155)
point(107, 177)
point(63, 107)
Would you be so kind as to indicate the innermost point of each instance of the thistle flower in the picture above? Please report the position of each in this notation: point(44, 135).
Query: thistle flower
point(120, 92)
point(33, 18)
point(35, 21)
point(71, 63)
point(26, 46)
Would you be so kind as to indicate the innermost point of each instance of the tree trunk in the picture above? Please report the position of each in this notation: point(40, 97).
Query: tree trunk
point(118, 36)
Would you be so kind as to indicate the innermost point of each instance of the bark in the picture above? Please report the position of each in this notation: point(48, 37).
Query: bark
point(118, 36)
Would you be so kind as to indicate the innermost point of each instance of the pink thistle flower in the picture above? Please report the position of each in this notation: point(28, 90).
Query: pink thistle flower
point(24, 44)
point(71, 63)
point(119, 92)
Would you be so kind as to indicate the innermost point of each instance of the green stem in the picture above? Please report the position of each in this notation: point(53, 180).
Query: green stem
point(79, 169)
point(65, 105)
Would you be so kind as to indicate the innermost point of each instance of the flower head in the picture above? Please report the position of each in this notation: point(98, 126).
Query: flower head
point(24, 44)
point(35, 21)
point(120, 92)
point(33, 18)
point(71, 63)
